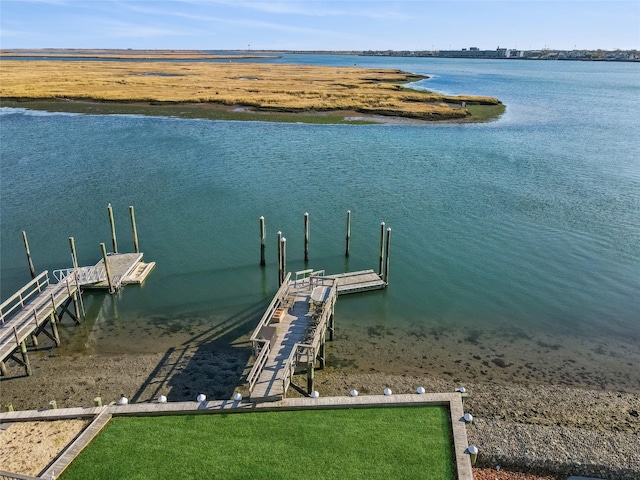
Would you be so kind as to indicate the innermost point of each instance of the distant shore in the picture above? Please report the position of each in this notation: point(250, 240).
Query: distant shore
point(231, 90)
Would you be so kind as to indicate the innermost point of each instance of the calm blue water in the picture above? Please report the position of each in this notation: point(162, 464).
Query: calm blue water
point(530, 223)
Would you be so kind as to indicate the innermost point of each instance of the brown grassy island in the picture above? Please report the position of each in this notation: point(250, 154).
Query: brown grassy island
point(232, 90)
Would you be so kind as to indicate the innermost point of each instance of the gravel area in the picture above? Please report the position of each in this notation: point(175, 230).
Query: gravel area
point(545, 430)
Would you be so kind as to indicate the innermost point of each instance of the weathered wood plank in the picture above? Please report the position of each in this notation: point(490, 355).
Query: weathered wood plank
point(81, 441)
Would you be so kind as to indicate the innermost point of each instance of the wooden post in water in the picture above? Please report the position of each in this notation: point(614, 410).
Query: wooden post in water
point(381, 264)
point(346, 252)
point(279, 258)
point(106, 267)
point(32, 270)
point(78, 302)
point(78, 295)
point(132, 214)
point(386, 268)
point(306, 236)
point(283, 241)
point(262, 237)
point(113, 229)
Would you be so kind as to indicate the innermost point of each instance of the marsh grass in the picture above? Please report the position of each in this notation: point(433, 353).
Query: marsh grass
point(402, 442)
point(263, 87)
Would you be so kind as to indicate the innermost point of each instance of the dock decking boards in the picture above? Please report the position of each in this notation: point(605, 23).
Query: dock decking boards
point(300, 333)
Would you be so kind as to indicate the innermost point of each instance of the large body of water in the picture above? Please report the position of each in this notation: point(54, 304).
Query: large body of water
point(515, 251)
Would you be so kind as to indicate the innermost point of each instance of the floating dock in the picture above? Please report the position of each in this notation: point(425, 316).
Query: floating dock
point(123, 269)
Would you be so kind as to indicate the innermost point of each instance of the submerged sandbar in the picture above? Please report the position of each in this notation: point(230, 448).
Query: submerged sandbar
point(244, 89)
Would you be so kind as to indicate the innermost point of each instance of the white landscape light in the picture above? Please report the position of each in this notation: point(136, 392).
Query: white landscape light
point(201, 398)
point(123, 400)
point(461, 390)
point(420, 390)
point(473, 453)
point(468, 417)
point(315, 394)
point(162, 399)
point(353, 393)
point(237, 396)
point(387, 391)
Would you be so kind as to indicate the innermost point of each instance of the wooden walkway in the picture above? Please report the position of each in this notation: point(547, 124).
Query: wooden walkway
point(26, 314)
point(38, 306)
point(292, 332)
point(451, 400)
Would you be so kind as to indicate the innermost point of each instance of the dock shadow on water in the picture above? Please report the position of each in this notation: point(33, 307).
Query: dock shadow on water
point(211, 362)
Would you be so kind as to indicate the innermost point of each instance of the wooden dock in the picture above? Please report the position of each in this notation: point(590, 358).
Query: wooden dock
point(355, 282)
point(292, 332)
point(39, 306)
point(27, 312)
point(123, 268)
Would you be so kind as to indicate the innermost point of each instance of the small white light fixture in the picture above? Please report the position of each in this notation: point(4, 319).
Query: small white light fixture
point(420, 390)
point(353, 393)
point(472, 450)
point(162, 399)
point(237, 396)
point(315, 394)
point(123, 400)
point(468, 417)
point(461, 390)
point(387, 391)
point(201, 398)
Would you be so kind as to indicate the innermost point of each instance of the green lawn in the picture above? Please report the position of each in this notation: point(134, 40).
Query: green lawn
point(385, 443)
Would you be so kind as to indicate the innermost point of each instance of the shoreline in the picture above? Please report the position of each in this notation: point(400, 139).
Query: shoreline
point(239, 112)
point(541, 429)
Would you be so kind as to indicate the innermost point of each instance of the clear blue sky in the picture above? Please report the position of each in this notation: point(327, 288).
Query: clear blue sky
point(319, 25)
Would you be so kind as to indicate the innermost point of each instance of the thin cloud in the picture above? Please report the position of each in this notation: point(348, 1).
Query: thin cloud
point(308, 9)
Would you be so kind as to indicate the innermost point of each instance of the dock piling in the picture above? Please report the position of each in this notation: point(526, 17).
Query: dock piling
point(74, 258)
point(113, 229)
point(346, 253)
point(279, 258)
point(134, 229)
point(106, 268)
point(25, 358)
point(306, 236)
point(381, 263)
point(386, 268)
point(262, 237)
point(32, 270)
point(283, 241)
